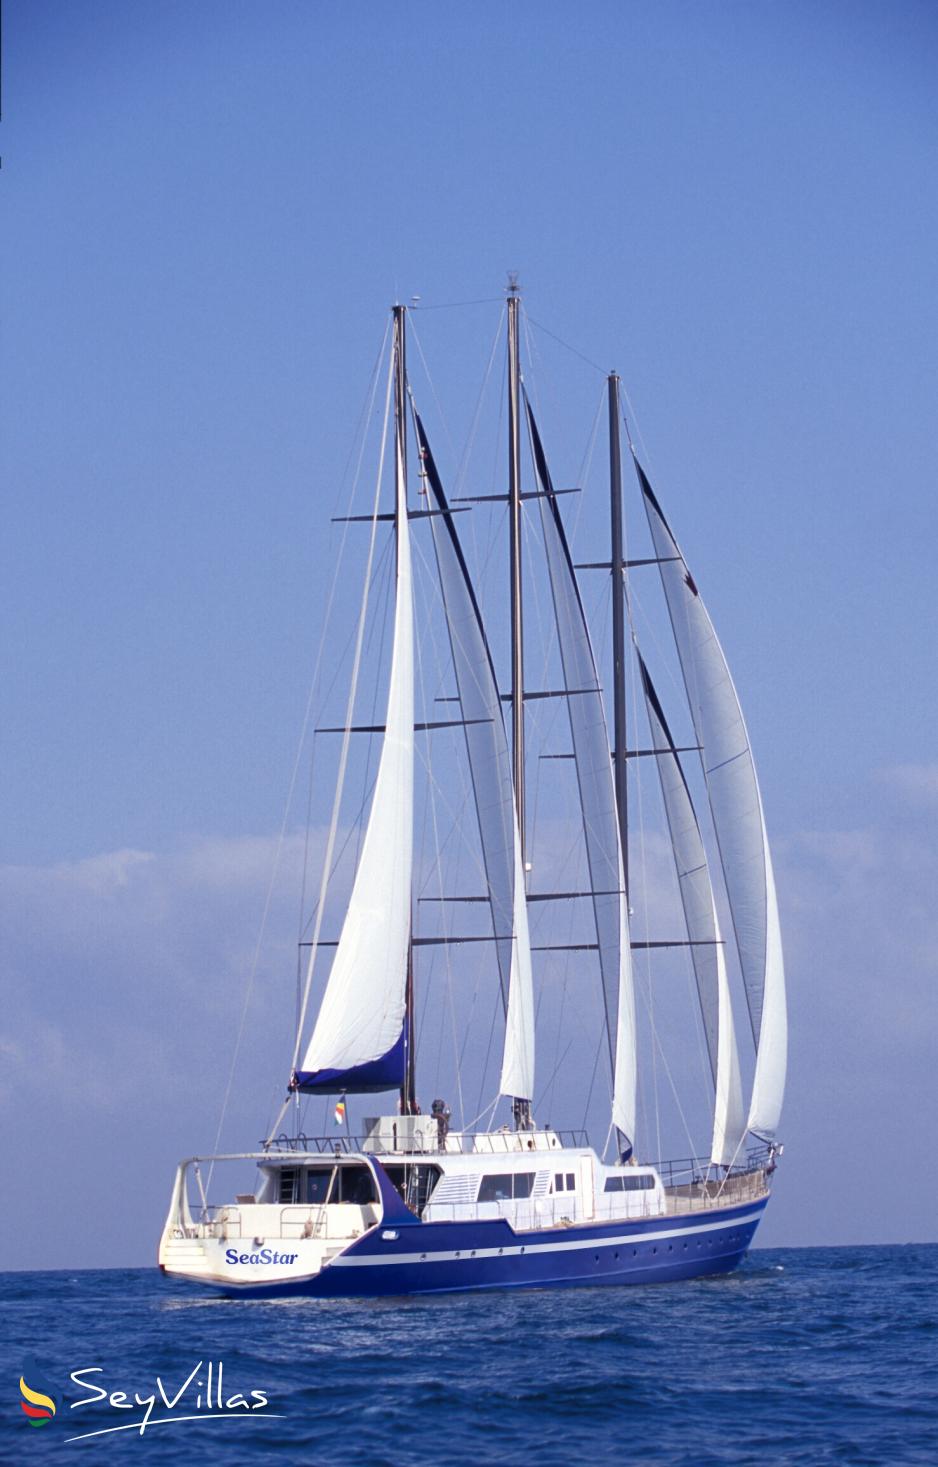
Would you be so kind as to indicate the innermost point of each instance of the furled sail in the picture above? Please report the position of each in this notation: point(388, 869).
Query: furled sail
point(358, 1042)
point(738, 819)
point(490, 770)
point(597, 801)
point(703, 931)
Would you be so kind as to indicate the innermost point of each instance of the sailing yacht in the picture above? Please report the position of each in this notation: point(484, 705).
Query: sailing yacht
point(416, 1203)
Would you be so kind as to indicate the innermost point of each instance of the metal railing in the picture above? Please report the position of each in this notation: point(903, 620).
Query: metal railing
point(698, 1169)
point(294, 1221)
point(455, 1143)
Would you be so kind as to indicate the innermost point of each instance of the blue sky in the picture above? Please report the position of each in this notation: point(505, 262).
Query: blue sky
point(207, 212)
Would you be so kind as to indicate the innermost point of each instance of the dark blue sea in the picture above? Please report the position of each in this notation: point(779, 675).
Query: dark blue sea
point(813, 1355)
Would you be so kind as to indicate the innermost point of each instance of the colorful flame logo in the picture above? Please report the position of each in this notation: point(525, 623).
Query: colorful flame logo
point(39, 1405)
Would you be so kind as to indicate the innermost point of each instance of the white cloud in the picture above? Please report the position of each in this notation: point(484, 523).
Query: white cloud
point(916, 784)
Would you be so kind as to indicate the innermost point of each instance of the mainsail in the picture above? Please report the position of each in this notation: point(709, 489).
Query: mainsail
point(490, 770)
point(358, 1043)
point(597, 800)
point(703, 931)
point(738, 820)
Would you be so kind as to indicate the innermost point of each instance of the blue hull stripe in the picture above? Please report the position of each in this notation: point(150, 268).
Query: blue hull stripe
point(567, 1245)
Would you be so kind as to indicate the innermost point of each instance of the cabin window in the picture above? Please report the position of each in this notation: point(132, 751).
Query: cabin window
point(317, 1185)
point(356, 1185)
point(287, 1184)
point(564, 1181)
point(643, 1182)
point(506, 1186)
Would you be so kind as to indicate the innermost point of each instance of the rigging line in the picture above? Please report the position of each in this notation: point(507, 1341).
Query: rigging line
point(456, 813)
point(349, 720)
point(324, 694)
point(462, 470)
point(541, 1102)
point(489, 1106)
point(646, 453)
point(546, 624)
point(566, 345)
point(726, 1175)
point(497, 1010)
point(364, 418)
point(586, 467)
point(488, 300)
point(382, 621)
point(674, 1091)
point(433, 784)
point(436, 397)
point(350, 836)
point(589, 1093)
point(605, 1150)
point(495, 523)
point(456, 820)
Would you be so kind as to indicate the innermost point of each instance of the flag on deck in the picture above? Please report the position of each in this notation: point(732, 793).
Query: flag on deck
point(339, 1112)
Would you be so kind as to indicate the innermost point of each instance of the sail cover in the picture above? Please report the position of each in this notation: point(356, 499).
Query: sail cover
point(490, 771)
point(597, 800)
point(738, 820)
point(703, 931)
point(358, 1043)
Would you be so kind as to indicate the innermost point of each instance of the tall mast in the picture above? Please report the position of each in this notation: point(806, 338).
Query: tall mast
point(619, 760)
point(521, 1107)
point(514, 517)
point(408, 1089)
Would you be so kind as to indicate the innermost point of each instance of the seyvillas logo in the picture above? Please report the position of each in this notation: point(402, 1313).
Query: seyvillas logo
point(264, 1255)
point(201, 1395)
point(37, 1402)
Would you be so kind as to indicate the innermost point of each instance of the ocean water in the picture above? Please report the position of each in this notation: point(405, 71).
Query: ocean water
point(813, 1356)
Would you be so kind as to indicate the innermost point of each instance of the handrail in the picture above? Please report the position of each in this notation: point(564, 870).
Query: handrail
point(456, 1142)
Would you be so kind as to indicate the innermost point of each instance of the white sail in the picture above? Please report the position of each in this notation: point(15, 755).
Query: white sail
point(703, 931)
point(358, 1039)
point(736, 807)
point(490, 770)
point(517, 1078)
point(768, 1085)
point(590, 740)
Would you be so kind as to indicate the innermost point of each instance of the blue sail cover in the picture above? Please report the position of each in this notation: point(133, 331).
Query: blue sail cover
point(490, 771)
point(384, 1073)
point(597, 797)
